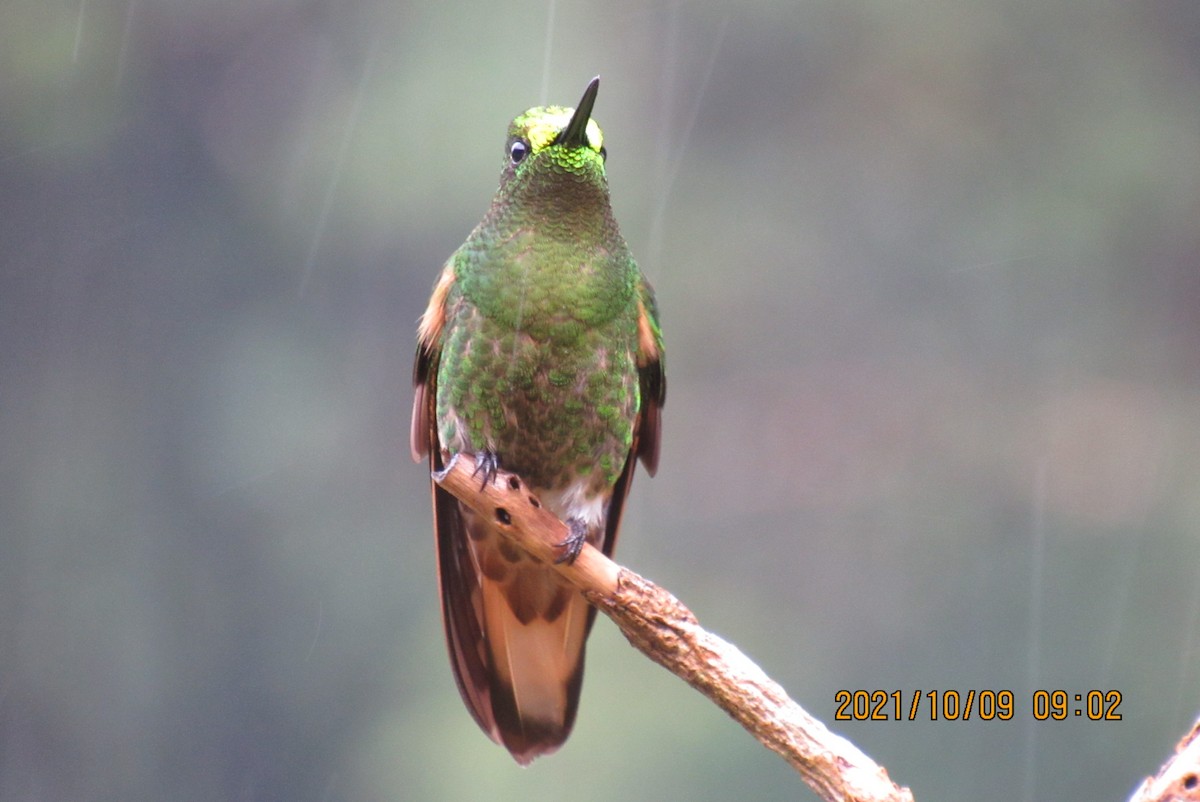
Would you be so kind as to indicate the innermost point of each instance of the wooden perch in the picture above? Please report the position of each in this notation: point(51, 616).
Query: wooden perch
point(660, 626)
point(1179, 778)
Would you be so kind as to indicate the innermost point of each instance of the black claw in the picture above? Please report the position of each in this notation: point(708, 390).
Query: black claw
point(487, 463)
point(574, 542)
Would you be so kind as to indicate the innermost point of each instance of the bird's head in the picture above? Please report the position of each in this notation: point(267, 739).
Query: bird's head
point(548, 141)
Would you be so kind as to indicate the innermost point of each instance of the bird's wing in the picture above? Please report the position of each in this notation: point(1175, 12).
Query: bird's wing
point(458, 579)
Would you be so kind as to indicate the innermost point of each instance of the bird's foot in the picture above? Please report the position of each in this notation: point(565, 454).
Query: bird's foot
point(574, 542)
point(487, 463)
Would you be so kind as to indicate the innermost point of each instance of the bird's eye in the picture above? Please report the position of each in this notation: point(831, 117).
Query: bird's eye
point(603, 153)
point(517, 151)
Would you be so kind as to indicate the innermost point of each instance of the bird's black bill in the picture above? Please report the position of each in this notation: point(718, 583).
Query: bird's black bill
point(575, 134)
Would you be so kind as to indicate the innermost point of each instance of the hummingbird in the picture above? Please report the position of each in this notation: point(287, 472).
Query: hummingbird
point(540, 353)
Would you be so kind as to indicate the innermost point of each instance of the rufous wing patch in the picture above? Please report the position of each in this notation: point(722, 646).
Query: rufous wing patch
point(647, 342)
point(429, 331)
point(434, 316)
point(653, 389)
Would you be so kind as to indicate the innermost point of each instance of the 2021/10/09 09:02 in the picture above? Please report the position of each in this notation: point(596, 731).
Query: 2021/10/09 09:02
point(988, 705)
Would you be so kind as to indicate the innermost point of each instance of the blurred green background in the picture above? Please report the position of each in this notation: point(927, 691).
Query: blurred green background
point(929, 274)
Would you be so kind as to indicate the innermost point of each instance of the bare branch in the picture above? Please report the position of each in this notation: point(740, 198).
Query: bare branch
point(660, 626)
point(1179, 778)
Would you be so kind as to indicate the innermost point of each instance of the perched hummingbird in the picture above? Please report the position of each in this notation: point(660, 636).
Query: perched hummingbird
point(540, 352)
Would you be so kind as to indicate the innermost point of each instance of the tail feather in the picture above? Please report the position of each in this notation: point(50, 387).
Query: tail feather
point(516, 634)
point(515, 630)
point(537, 672)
